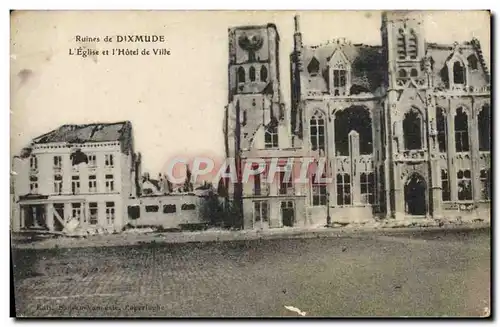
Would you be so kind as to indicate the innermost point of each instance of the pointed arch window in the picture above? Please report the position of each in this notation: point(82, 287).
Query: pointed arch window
point(317, 131)
point(473, 62)
point(251, 74)
point(441, 130)
point(263, 74)
point(402, 73)
point(339, 78)
point(484, 129)
point(412, 129)
point(401, 44)
point(458, 73)
point(271, 135)
point(313, 67)
point(241, 75)
point(412, 45)
point(461, 131)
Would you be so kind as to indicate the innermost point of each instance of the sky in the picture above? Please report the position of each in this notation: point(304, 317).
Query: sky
point(175, 103)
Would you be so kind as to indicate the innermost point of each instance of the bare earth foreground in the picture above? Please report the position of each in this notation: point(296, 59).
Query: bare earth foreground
point(388, 273)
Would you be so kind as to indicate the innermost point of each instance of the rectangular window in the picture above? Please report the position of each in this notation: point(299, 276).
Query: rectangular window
point(58, 184)
point(33, 163)
point(169, 208)
point(339, 78)
point(187, 206)
point(57, 162)
point(344, 189)
point(319, 192)
point(367, 184)
point(152, 208)
point(75, 184)
point(108, 161)
point(92, 160)
point(110, 184)
point(76, 211)
point(110, 213)
point(445, 186)
point(33, 184)
point(464, 185)
point(92, 184)
point(261, 210)
point(93, 213)
point(485, 179)
point(286, 185)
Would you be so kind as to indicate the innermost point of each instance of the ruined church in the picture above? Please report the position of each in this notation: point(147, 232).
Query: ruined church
point(404, 126)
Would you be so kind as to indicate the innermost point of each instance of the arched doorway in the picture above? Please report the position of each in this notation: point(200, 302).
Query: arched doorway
point(415, 195)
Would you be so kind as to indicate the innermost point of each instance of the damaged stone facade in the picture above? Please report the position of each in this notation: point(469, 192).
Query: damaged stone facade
point(77, 177)
point(404, 126)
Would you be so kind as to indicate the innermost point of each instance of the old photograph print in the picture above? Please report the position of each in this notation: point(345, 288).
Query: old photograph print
point(251, 163)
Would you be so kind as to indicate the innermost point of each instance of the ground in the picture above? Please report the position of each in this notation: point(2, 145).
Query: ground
point(384, 273)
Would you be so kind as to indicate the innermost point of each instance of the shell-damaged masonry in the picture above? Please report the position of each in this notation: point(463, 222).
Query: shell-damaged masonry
point(391, 131)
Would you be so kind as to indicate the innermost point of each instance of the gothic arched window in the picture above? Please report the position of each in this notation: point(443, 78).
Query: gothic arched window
point(414, 72)
point(317, 131)
point(251, 74)
point(355, 118)
point(241, 75)
point(413, 45)
point(472, 60)
point(339, 78)
point(412, 130)
point(458, 73)
point(441, 129)
point(263, 74)
point(461, 131)
point(402, 73)
point(271, 135)
point(484, 129)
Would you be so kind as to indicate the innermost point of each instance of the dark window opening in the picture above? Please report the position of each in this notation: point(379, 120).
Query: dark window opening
point(355, 118)
point(251, 74)
point(313, 66)
point(263, 74)
point(357, 89)
point(458, 73)
point(134, 212)
point(484, 130)
point(169, 208)
point(414, 72)
point(319, 191)
point(152, 208)
point(241, 75)
point(412, 130)
point(464, 185)
point(461, 131)
point(402, 73)
point(189, 206)
point(441, 130)
point(472, 60)
point(412, 45)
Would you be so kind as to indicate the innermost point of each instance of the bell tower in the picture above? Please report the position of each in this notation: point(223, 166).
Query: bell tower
point(403, 41)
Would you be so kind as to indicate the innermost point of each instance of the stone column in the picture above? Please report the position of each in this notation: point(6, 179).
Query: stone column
point(49, 216)
point(474, 148)
point(399, 198)
point(433, 150)
point(332, 187)
point(450, 147)
point(354, 157)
